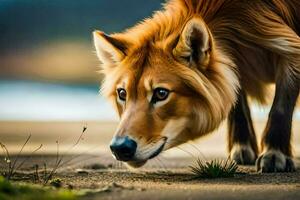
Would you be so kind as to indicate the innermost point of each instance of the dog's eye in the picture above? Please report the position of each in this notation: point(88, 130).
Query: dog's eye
point(122, 94)
point(160, 94)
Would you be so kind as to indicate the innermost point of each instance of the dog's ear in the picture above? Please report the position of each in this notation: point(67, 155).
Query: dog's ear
point(194, 44)
point(109, 49)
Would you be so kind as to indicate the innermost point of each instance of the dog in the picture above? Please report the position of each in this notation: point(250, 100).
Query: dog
point(176, 76)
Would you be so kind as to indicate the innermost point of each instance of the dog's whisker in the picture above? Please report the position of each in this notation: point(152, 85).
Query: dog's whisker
point(157, 164)
point(161, 162)
point(189, 153)
point(194, 145)
point(185, 151)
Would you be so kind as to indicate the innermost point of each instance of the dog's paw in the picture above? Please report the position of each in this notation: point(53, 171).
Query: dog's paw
point(274, 161)
point(243, 154)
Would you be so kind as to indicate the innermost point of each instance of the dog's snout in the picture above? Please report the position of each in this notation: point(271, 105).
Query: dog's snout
point(123, 148)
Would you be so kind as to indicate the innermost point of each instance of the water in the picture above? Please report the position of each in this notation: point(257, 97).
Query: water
point(36, 101)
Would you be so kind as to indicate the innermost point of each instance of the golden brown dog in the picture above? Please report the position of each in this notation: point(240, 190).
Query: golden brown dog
point(176, 76)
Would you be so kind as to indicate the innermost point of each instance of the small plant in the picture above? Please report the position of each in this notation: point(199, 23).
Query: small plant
point(214, 168)
point(48, 175)
point(57, 182)
point(13, 165)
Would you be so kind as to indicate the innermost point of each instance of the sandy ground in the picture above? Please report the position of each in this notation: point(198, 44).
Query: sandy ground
point(165, 177)
point(114, 181)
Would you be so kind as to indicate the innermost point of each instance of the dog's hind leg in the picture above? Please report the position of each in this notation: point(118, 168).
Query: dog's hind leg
point(276, 156)
point(242, 143)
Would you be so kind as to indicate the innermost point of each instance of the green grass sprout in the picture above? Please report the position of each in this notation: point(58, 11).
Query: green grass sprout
point(214, 168)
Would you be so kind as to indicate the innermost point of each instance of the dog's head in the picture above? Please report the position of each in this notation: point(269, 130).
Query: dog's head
point(166, 88)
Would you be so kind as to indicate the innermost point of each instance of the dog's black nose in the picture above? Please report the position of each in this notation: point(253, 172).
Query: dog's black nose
point(123, 148)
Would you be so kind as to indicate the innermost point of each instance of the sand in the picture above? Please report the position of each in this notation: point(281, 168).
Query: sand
point(165, 177)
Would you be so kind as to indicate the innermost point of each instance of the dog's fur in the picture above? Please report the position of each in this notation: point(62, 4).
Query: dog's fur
point(210, 55)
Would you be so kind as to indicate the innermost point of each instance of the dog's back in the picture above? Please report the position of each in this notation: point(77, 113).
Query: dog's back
point(261, 35)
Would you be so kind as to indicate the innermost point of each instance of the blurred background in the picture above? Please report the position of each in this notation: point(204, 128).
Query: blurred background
point(49, 86)
point(47, 60)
